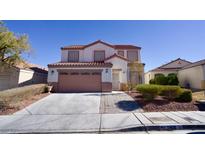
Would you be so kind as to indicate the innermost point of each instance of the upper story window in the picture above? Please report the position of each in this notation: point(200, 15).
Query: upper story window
point(73, 56)
point(132, 55)
point(121, 53)
point(99, 55)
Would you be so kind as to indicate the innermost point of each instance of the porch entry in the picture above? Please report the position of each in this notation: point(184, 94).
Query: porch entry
point(115, 80)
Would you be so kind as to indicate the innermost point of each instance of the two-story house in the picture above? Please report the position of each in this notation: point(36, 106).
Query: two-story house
point(94, 67)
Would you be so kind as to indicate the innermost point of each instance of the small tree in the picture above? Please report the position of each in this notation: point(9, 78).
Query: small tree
point(135, 66)
point(12, 46)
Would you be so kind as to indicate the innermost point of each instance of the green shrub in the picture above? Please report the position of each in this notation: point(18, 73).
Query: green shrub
point(170, 92)
point(149, 92)
point(172, 79)
point(160, 80)
point(185, 95)
point(131, 86)
point(152, 81)
point(159, 75)
point(172, 74)
point(18, 94)
point(46, 89)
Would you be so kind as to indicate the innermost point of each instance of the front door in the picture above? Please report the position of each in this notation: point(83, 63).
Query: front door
point(115, 81)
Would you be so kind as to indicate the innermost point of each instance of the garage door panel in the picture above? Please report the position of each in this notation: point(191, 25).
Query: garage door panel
point(79, 82)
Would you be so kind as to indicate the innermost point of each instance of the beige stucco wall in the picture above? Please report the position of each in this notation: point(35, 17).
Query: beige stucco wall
point(87, 55)
point(8, 78)
point(120, 64)
point(150, 75)
point(192, 76)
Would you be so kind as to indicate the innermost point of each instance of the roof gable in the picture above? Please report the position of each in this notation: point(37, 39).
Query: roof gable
point(98, 41)
point(116, 56)
point(198, 63)
point(81, 47)
point(178, 63)
point(173, 65)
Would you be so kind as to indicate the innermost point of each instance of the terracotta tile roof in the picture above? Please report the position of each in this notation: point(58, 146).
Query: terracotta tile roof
point(80, 64)
point(118, 56)
point(126, 47)
point(70, 47)
point(164, 69)
point(80, 47)
point(201, 62)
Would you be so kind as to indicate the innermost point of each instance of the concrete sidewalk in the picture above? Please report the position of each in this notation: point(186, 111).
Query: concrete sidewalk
point(102, 123)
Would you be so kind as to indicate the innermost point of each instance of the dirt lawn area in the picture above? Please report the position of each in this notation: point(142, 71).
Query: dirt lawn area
point(159, 104)
point(198, 95)
point(10, 109)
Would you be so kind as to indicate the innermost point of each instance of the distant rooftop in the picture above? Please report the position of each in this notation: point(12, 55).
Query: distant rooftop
point(30, 66)
point(200, 62)
point(119, 46)
point(173, 65)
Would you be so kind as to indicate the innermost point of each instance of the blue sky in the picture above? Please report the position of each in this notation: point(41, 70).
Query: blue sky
point(161, 41)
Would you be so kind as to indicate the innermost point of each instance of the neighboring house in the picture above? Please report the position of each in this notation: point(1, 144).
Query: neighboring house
point(21, 75)
point(97, 66)
point(190, 75)
point(193, 75)
point(171, 67)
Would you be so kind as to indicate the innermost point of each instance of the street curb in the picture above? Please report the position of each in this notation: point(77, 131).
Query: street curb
point(131, 129)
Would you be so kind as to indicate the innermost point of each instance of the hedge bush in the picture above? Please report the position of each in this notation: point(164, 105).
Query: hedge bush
point(149, 92)
point(161, 79)
point(131, 86)
point(170, 92)
point(172, 79)
point(185, 95)
point(18, 94)
point(152, 81)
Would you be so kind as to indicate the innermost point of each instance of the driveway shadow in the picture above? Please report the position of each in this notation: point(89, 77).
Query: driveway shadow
point(127, 105)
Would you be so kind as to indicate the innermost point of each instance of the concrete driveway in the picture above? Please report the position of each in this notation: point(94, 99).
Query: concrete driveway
point(63, 104)
point(96, 113)
point(73, 112)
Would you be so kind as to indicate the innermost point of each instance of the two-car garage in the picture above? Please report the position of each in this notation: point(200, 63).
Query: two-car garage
point(79, 81)
point(80, 77)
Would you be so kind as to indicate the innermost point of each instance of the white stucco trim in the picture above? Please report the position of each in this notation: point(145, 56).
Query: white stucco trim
point(25, 75)
point(106, 73)
point(119, 63)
